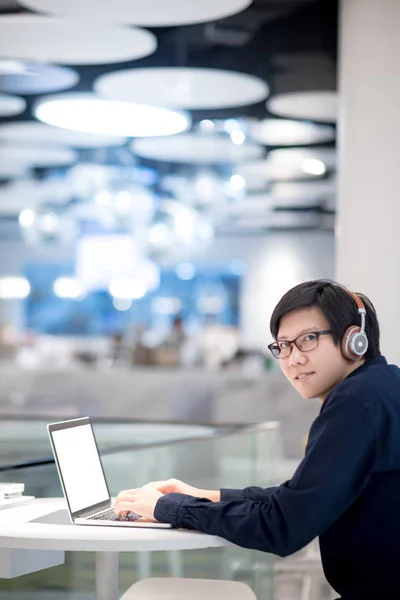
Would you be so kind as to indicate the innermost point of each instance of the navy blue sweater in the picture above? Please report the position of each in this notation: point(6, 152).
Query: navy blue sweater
point(346, 491)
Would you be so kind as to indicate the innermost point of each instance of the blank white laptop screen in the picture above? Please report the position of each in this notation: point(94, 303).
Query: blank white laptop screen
point(80, 466)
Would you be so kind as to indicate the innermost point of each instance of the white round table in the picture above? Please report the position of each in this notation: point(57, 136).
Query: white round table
point(18, 530)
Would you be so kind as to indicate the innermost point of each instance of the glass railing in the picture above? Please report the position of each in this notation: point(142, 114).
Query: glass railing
point(213, 459)
point(24, 440)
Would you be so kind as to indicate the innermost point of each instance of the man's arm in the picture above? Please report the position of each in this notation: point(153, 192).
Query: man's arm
point(337, 466)
point(249, 493)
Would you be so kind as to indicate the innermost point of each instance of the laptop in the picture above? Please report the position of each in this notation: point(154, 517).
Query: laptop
point(82, 477)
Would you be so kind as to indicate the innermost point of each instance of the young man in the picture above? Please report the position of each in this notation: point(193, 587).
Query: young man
point(347, 488)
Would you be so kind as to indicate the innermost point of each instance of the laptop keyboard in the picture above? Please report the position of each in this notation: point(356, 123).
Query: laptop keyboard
point(109, 515)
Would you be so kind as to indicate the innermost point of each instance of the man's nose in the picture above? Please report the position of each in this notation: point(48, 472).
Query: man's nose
point(297, 357)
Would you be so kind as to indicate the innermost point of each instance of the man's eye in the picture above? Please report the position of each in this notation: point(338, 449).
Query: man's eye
point(283, 345)
point(310, 337)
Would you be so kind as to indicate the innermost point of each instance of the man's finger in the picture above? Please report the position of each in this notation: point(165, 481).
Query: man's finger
point(129, 500)
point(124, 507)
point(127, 497)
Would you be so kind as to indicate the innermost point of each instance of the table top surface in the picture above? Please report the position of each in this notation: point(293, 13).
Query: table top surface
point(18, 529)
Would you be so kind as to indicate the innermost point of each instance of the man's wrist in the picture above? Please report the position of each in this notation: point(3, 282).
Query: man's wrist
point(213, 495)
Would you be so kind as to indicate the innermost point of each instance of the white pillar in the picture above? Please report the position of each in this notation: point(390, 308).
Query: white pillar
point(274, 265)
point(368, 226)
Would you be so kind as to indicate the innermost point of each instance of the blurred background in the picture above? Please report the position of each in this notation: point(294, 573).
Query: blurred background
point(161, 188)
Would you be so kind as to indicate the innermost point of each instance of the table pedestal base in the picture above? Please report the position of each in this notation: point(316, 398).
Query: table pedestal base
point(107, 576)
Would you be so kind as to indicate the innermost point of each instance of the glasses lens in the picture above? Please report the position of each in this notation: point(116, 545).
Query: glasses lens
point(275, 350)
point(308, 341)
point(285, 349)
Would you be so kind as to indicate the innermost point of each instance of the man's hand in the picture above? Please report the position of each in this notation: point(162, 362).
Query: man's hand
point(141, 501)
point(174, 486)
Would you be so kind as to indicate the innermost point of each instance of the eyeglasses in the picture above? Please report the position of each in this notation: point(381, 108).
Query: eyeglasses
point(304, 342)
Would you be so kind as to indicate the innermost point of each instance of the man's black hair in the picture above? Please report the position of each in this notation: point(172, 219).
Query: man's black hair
point(337, 306)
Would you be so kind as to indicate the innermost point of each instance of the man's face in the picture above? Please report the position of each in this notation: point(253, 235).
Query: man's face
point(315, 373)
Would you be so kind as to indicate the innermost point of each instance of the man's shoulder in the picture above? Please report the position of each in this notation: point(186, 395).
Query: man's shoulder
point(370, 384)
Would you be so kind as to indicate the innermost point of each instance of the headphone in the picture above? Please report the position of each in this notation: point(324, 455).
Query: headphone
point(355, 341)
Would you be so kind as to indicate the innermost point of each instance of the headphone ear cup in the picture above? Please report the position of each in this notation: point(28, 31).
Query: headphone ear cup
point(346, 345)
point(354, 343)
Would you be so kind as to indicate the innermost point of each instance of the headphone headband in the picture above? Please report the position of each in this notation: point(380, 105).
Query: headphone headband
point(357, 300)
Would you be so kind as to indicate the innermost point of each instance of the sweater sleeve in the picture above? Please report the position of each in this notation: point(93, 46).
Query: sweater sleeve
point(251, 493)
point(337, 466)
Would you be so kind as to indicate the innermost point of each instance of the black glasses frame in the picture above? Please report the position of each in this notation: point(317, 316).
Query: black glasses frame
point(275, 345)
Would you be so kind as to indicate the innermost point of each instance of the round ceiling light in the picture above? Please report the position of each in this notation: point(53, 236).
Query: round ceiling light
point(46, 156)
point(19, 77)
point(257, 174)
point(10, 170)
point(308, 159)
point(253, 205)
point(196, 149)
point(153, 13)
point(287, 132)
point(89, 114)
point(182, 87)
point(44, 39)
point(11, 105)
point(31, 132)
point(304, 193)
point(313, 106)
point(276, 220)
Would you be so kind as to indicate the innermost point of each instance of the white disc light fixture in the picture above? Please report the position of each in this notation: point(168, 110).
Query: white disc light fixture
point(313, 161)
point(275, 220)
point(153, 13)
point(182, 87)
point(33, 132)
point(90, 114)
point(287, 132)
point(20, 77)
point(253, 205)
point(33, 156)
point(313, 106)
point(38, 38)
point(196, 149)
point(304, 193)
point(11, 105)
point(12, 170)
point(280, 167)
